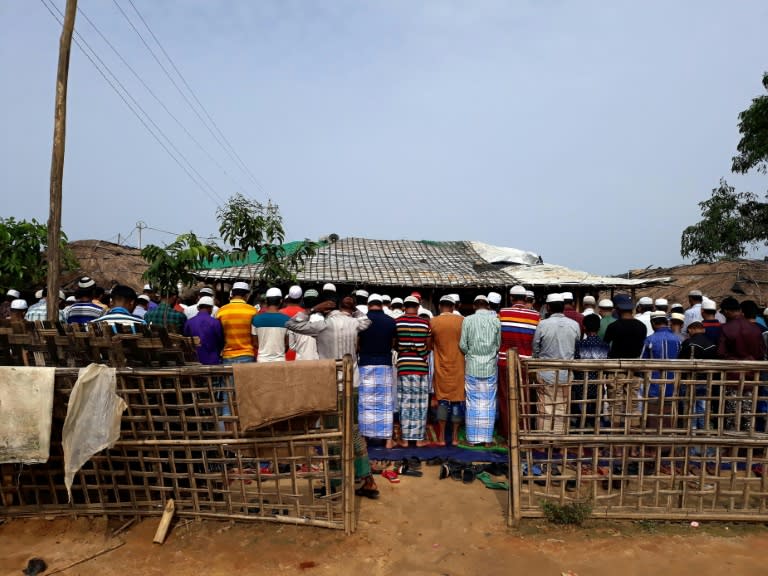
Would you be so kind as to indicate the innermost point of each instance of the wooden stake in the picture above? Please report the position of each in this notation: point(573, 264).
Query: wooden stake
point(165, 522)
point(57, 161)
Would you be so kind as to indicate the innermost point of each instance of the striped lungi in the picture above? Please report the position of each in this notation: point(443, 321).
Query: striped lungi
point(481, 408)
point(413, 401)
point(376, 401)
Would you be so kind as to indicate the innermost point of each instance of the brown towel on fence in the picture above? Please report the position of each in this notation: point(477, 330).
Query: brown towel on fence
point(268, 392)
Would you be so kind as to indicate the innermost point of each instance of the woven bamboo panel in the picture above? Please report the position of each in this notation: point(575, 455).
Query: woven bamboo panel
point(177, 443)
point(641, 439)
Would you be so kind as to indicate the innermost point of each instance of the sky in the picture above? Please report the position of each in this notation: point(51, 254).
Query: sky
point(584, 131)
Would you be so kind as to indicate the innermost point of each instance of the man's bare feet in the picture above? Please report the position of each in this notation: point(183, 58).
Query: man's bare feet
point(422, 443)
point(390, 444)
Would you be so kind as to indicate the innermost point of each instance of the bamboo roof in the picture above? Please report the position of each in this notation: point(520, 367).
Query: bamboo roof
point(106, 263)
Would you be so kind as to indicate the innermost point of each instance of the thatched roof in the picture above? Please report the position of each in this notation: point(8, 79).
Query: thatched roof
point(107, 263)
point(742, 279)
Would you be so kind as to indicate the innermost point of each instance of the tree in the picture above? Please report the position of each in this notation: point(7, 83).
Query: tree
point(23, 245)
point(753, 126)
point(247, 225)
point(731, 223)
point(176, 262)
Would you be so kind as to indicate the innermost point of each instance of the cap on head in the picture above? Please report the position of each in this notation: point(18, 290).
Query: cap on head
point(328, 287)
point(295, 292)
point(19, 304)
point(13, 293)
point(447, 299)
point(677, 317)
point(518, 291)
point(71, 299)
point(241, 286)
point(206, 291)
point(205, 301)
point(623, 302)
point(661, 302)
point(142, 297)
point(589, 300)
point(397, 301)
point(456, 298)
point(311, 293)
point(409, 301)
point(386, 298)
point(677, 306)
point(274, 293)
point(645, 301)
point(695, 293)
point(567, 296)
point(530, 295)
point(86, 282)
point(362, 293)
point(494, 297)
point(39, 294)
point(375, 299)
point(481, 298)
point(147, 288)
point(707, 304)
point(605, 303)
point(554, 297)
point(658, 315)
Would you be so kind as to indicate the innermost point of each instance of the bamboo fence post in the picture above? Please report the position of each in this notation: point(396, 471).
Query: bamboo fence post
point(513, 373)
point(348, 453)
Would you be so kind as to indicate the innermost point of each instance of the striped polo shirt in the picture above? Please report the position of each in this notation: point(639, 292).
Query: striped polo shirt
point(412, 334)
point(235, 319)
point(518, 325)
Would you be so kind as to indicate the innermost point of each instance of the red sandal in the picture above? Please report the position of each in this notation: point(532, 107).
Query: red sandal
point(391, 475)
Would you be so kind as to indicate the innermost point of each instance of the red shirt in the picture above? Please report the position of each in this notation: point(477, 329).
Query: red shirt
point(518, 325)
point(291, 310)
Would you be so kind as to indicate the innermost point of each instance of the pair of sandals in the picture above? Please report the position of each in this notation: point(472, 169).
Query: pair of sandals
point(459, 471)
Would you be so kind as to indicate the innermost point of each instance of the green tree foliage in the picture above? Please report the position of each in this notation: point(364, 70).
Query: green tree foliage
point(22, 245)
point(753, 126)
point(246, 225)
point(731, 223)
point(176, 262)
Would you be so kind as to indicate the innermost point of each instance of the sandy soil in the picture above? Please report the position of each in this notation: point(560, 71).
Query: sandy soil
point(420, 526)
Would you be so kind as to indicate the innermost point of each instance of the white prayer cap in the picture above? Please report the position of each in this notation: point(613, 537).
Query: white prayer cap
point(13, 293)
point(147, 288)
point(695, 293)
point(62, 296)
point(530, 294)
point(658, 314)
point(86, 282)
point(374, 298)
point(677, 316)
point(605, 303)
point(295, 292)
point(241, 286)
point(386, 298)
point(455, 298)
point(676, 305)
point(447, 298)
point(19, 304)
point(205, 301)
point(481, 298)
point(206, 290)
point(661, 302)
point(590, 300)
point(397, 301)
point(517, 291)
point(554, 297)
point(142, 297)
point(707, 304)
point(362, 293)
point(71, 299)
point(274, 293)
point(410, 300)
point(329, 287)
point(567, 296)
point(39, 294)
point(494, 297)
point(645, 301)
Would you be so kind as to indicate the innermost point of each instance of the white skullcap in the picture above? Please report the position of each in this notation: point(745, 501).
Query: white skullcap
point(13, 293)
point(707, 304)
point(661, 302)
point(645, 301)
point(19, 304)
point(142, 297)
point(659, 314)
point(567, 296)
point(362, 293)
point(589, 300)
point(295, 292)
point(455, 297)
point(39, 294)
point(71, 299)
point(494, 297)
point(448, 299)
point(241, 286)
point(410, 300)
point(481, 298)
point(206, 290)
point(605, 303)
point(147, 288)
point(329, 287)
point(677, 316)
point(695, 293)
point(274, 293)
point(530, 294)
point(517, 291)
point(397, 301)
point(386, 298)
point(86, 282)
point(554, 297)
point(375, 298)
point(205, 301)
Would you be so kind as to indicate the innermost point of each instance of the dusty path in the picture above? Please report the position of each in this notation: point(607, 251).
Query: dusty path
point(421, 526)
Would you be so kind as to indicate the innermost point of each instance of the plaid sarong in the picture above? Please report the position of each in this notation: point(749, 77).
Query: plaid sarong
point(413, 401)
point(481, 408)
point(376, 401)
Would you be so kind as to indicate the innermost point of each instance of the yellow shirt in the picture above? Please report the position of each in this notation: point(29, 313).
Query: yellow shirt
point(235, 319)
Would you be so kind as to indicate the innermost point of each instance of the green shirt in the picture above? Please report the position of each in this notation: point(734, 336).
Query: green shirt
point(480, 341)
point(605, 321)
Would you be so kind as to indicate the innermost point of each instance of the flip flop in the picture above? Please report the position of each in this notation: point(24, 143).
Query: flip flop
point(405, 470)
point(445, 472)
point(468, 475)
point(391, 475)
point(367, 493)
point(414, 462)
point(489, 483)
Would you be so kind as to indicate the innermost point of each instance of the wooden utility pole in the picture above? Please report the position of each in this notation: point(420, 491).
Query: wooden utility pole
point(57, 161)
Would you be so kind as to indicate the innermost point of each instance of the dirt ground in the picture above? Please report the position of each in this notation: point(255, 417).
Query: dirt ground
point(420, 526)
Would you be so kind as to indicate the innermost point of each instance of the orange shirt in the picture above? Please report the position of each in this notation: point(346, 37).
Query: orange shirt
point(235, 319)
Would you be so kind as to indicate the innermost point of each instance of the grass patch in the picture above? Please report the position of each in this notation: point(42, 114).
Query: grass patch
point(571, 514)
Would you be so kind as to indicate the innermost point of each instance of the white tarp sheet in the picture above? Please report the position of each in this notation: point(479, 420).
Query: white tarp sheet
point(26, 406)
point(93, 418)
point(501, 254)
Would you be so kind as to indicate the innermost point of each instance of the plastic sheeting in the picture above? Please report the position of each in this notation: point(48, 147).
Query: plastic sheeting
point(93, 418)
point(26, 405)
point(504, 255)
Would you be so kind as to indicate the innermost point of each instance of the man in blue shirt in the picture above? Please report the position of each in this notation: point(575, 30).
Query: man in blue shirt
point(663, 344)
point(123, 300)
point(84, 310)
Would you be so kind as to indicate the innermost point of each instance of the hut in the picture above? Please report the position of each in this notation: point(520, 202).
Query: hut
point(107, 263)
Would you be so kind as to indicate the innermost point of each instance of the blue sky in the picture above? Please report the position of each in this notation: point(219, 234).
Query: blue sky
point(583, 131)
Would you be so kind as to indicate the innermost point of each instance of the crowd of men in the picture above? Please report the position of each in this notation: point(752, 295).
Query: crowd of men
point(409, 359)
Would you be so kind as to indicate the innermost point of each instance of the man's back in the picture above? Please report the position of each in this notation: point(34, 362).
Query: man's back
point(698, 347)
point(235, 319)
point(269, 328)
point(740, 339)
point(518, 325)
point(626, 337)
point(412, 336)
point(480, 340)
point(556, 337)
point(83, 312)
point(376, 341)
point(211, 336)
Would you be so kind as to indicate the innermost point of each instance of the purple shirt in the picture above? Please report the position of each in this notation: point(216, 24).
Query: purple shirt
point(211, 336)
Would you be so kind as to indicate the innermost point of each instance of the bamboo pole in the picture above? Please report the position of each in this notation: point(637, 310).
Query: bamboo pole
point(348, 455)
point(513, 377)
point(57, 161)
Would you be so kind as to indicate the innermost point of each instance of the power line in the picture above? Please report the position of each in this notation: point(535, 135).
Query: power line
point(192, 92)
point(80, 41)
point(159, 101)
point(176, 85)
